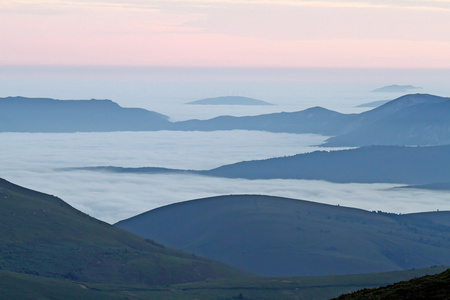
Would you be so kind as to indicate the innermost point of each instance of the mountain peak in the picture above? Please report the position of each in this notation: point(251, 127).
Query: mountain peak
point(230, 100)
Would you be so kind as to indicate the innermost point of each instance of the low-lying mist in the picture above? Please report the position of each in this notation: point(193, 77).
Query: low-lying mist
point(30, 160)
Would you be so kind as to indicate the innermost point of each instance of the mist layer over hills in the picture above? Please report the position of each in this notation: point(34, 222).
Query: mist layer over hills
point(275, 236)
point(373, 164)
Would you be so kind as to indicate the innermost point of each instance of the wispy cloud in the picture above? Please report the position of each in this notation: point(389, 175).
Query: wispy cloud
point(157, 5)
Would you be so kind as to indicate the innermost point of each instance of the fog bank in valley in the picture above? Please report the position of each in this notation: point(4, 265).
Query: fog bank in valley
point(30, 160)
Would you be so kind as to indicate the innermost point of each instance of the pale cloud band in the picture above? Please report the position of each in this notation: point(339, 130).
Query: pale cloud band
point(327, 33)
point(443, 5)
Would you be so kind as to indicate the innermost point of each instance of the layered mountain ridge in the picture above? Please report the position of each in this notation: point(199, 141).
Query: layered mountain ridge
point(416, 119)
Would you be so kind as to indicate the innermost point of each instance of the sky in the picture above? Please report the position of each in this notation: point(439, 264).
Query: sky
point(227, 33)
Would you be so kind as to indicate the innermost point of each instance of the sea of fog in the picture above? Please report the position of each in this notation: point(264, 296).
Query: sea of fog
point(32, 160)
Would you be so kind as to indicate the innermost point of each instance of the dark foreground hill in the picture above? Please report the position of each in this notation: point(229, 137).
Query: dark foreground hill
point(42, 235)
point(422, 166)
point(435, 287)
point(20, 114)
point(275, 236)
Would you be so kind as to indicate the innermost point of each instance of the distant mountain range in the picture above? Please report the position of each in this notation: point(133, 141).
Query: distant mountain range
point(230, 100)
point(274, 236)
point(417, 119)
point(20, 114)
point(395, 88)
point(372, 164)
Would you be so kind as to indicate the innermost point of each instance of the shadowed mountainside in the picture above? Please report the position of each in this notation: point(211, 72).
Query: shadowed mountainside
point(42, 235)
point(275, 236)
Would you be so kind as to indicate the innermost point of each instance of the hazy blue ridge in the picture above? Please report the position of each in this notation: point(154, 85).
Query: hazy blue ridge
point(374, 104)
point(395, 88)
point(409, 120)
point(371, 164)
point(437, 186)
point(139, 170)
point(275, 236)
point(316, 120)
point(374, 164)
point(230, 100)
point(20, 114)
point(416, 119)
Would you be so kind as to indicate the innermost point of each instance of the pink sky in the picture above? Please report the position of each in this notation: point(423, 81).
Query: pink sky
point(333, 33)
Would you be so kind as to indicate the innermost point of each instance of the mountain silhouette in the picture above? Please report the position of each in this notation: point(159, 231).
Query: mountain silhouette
point(395, 88)
point(417, 119)
point(275, 236)
point(42, 235)
point(370, 164)
point(20, 114)
point(230, 100)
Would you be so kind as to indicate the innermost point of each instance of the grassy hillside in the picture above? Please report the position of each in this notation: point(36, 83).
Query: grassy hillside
point(275, 236)
point(42, 235)
point(23, 286)
point(427, 287)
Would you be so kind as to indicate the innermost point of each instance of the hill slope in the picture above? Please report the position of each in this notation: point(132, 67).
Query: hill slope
point(23, 286)
point(428, 287)
point(42, 235)
point(275, 236)
point(20, 114)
